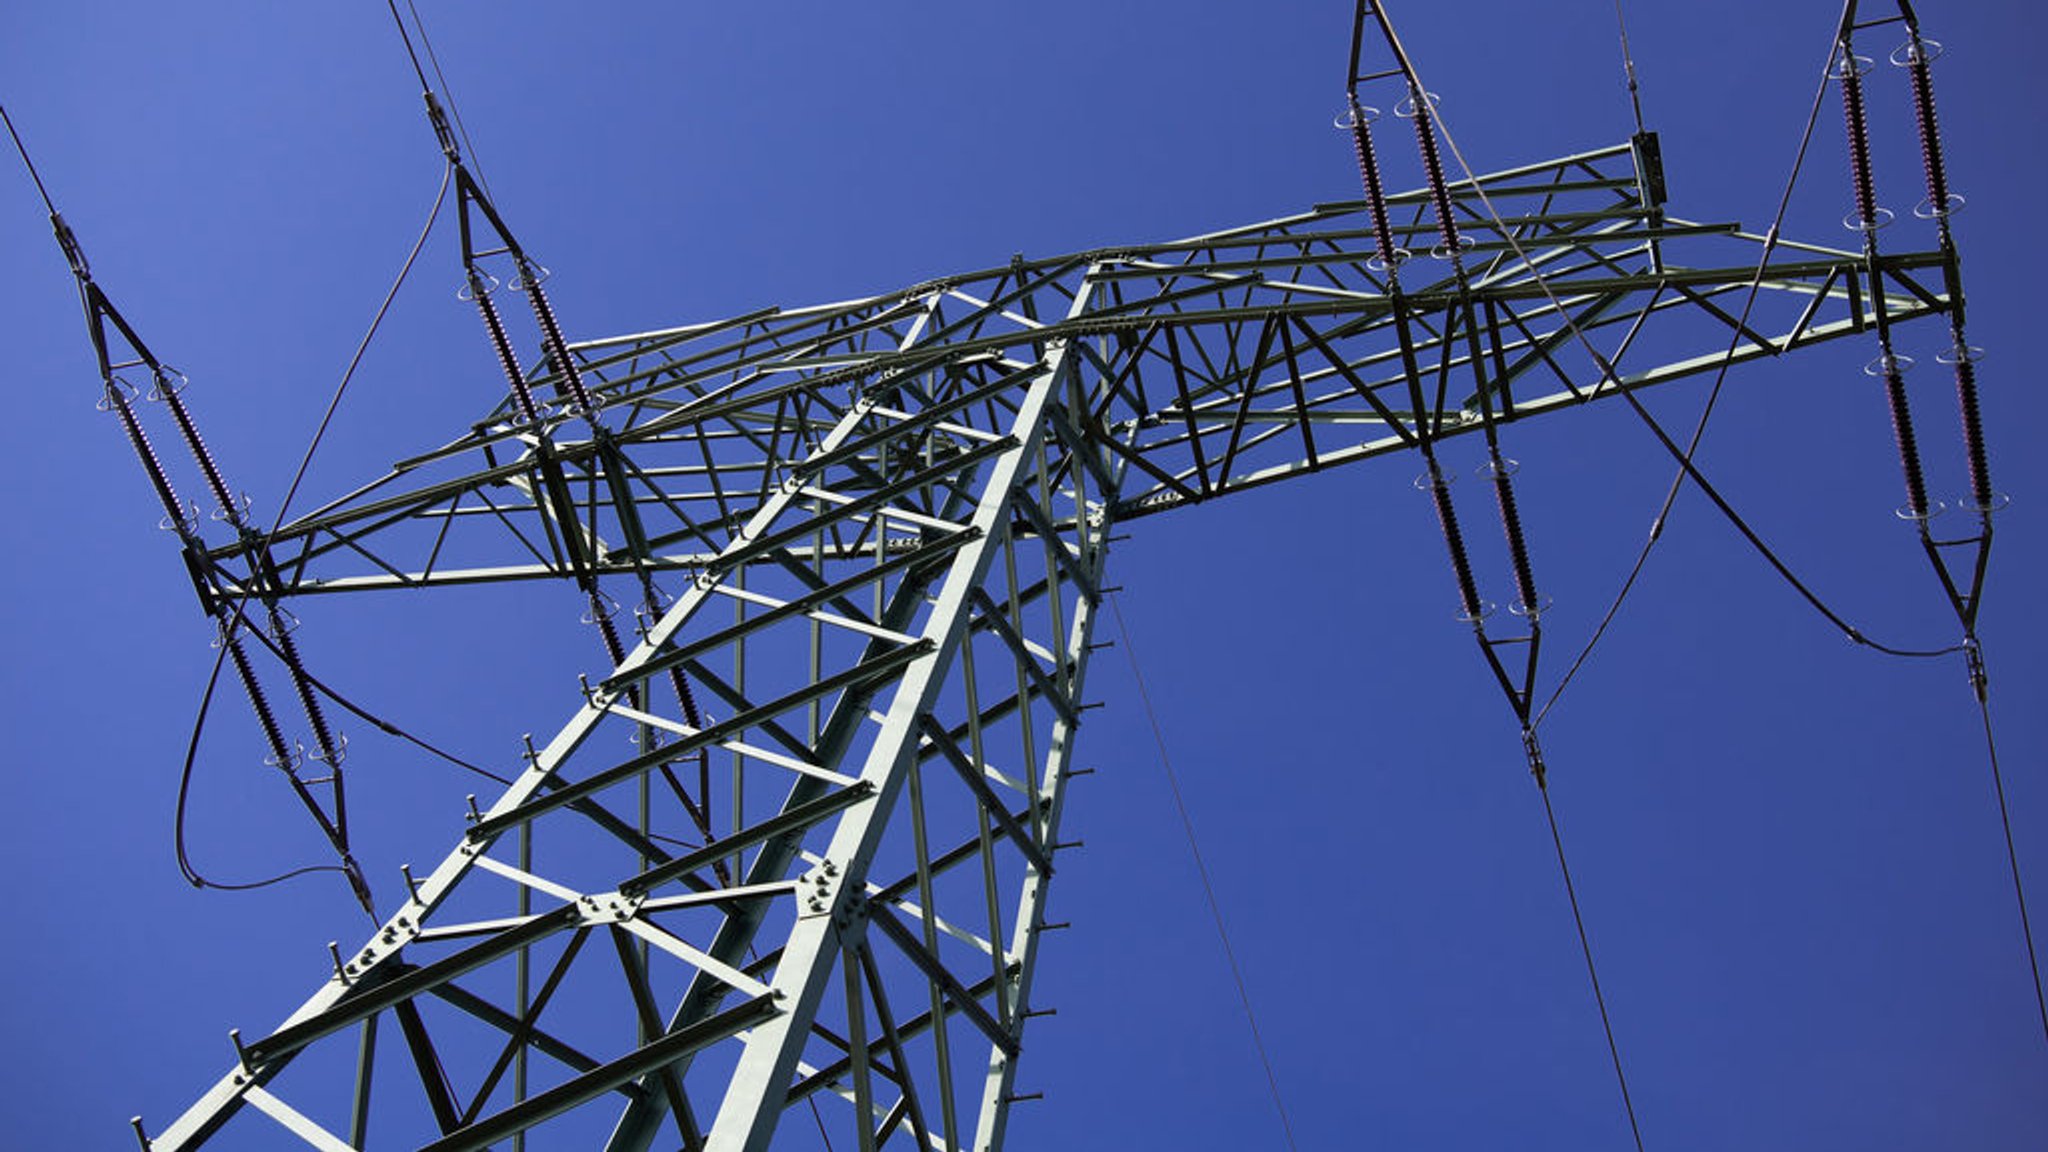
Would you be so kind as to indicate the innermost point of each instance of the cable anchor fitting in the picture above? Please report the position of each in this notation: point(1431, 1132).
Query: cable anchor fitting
point(444, 134)
point(1534, 753)
point(1973, 656)
point(74, 255)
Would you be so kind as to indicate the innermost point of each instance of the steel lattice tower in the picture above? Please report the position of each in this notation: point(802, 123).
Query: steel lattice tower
point(795, 846)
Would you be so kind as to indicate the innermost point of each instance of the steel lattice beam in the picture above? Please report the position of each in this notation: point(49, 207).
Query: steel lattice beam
point(883, 525)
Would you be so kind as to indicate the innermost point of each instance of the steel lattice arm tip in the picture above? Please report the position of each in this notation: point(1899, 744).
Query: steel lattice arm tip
point(1244, 357)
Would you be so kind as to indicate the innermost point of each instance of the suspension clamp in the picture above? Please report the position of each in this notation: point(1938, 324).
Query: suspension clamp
point(1534, 753)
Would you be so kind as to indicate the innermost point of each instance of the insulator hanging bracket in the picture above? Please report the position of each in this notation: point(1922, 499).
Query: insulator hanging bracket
point(443, 134)
point(1649, 158)
point(1534, 752)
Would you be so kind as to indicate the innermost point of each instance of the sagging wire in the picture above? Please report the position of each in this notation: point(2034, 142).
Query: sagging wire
point(1187, 825)
point(118, 394)
point(388, 727)
point(331, 745)
point(1658, 523)
point(1682, 456)
point(1940, 203)
point(306, 679)
point(185, 866)
point(362, 346)
point(327, 750)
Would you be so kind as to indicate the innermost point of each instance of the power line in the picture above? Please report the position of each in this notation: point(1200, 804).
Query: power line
point(434, 62)
point(454, 106)
point(22, 150)
point(234, 623)
point(1720, 376)
point(1187, 826)
point(387, 727)
point(2012, 855)
point(1592, 972)
point(407, 38)
point(186, 868)
point(440, 197)
point(1687, 468)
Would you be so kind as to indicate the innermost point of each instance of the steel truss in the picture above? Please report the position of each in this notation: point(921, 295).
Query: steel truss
point(793, 850)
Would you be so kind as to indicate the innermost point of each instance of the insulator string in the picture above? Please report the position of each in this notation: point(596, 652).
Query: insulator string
point(1858, 124)
point(1940, 205)
point(1433, 168)
point(1973, 429)
point(1919, 73)
point(1454, 541)
point(159, 481)
point(168, 388)
point(324, 739)
point(280, 751)
point(501, 344)
point(1902, 432)
point(1518, 548)
point(1375, 192)
point(557, 348)
point(1868, 219)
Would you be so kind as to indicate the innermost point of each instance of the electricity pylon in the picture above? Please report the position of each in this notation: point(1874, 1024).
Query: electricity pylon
point(793, 850)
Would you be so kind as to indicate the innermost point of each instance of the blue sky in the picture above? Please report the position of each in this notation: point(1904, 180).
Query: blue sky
point(1786, 846)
